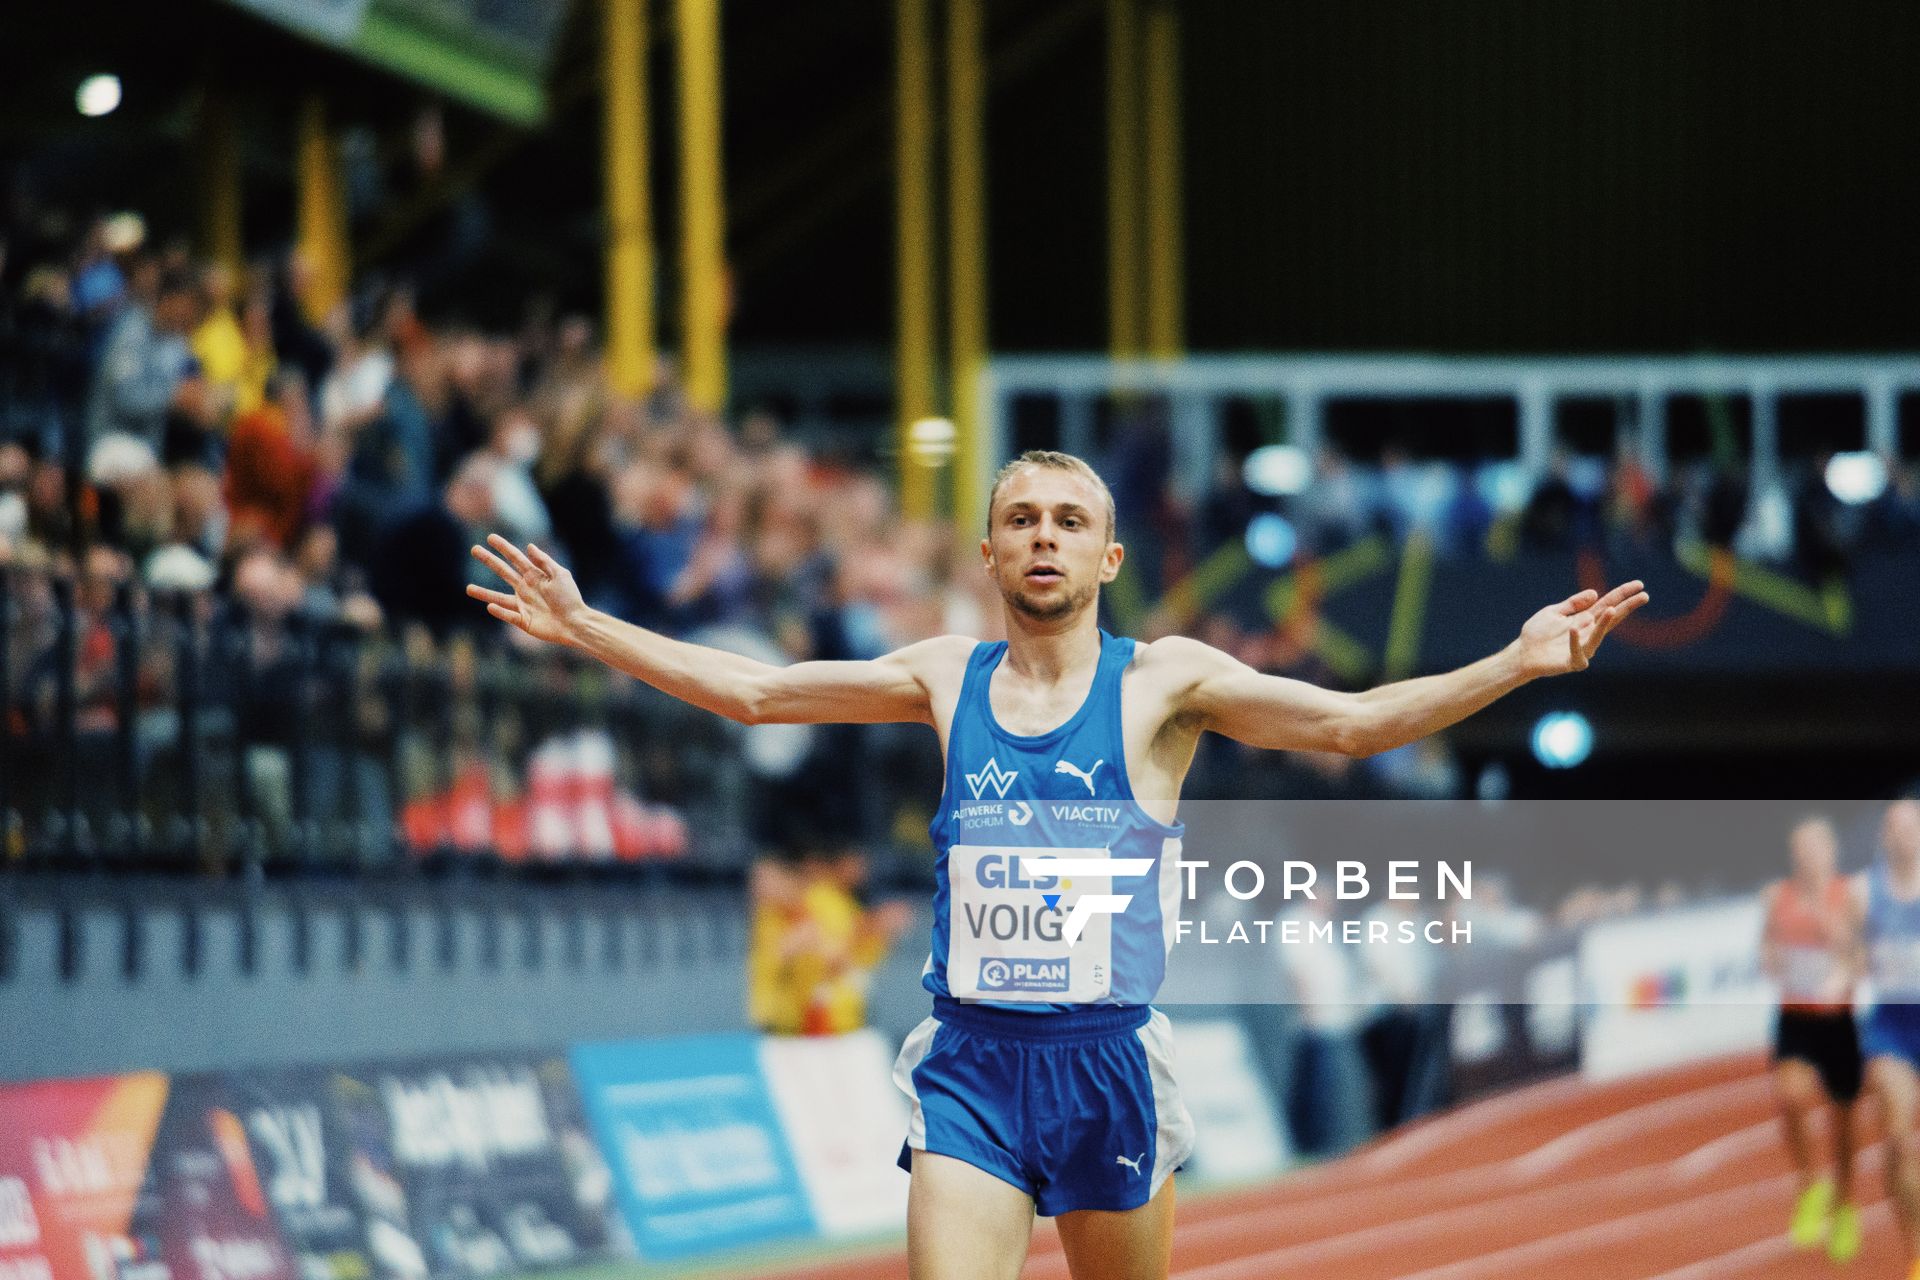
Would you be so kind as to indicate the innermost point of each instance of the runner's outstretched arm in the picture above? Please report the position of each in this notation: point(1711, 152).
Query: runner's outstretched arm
point(1231, 698)
point(546, 604)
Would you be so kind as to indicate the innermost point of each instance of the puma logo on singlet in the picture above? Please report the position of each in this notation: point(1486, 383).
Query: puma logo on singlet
point(1133, 1164)
point(1068, 766)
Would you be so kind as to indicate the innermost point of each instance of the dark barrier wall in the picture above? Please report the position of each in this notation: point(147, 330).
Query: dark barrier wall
point(484, 975)
point(425, 980)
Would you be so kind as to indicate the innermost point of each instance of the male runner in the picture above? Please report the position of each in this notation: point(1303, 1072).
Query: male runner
point(1808, 949)
point(1887, 900)
point(1043, 1080)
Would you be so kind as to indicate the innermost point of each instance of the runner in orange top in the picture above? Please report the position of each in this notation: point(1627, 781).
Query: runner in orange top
point(1808, 949)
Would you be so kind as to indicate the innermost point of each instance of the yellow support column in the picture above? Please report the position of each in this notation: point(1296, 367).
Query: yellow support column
point(1124, 223)
point(322, 214)
point(967, 259)
point(1166, 265)
point(913, 272)
point(629, 315)
point(703, 267)
point(220, 239)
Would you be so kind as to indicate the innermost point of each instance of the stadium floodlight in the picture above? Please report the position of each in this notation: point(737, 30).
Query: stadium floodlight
point(97, 95)
point(1271, 540)
point(1277, 470)
point(1856, 478)
point(1562, 739)
point(930, 441)
point(1505, 485)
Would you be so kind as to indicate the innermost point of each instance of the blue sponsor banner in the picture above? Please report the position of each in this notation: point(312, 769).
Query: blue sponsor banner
point(699, 1159)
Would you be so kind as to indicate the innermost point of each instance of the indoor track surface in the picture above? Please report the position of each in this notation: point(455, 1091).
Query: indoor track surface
point(1675, 1176)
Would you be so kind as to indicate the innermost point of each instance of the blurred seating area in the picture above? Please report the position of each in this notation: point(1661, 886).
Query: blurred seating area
point(225, 521)
point(233, 551)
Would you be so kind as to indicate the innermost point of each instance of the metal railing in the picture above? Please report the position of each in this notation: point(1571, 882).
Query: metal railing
point(174, 732)
point(1642, 390)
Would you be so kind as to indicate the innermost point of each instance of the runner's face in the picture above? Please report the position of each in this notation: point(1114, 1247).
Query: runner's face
point(1813, 852)
point(1047, 545)
point(1901, 835)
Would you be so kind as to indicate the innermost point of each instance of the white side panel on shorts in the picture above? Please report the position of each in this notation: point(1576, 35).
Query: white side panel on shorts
point(1173, 1135)
point(912, 1053)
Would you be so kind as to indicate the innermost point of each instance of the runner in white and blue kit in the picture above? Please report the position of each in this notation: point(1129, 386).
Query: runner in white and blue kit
point(1014, 1002)
point(1043, 1081)
point(1887, 899)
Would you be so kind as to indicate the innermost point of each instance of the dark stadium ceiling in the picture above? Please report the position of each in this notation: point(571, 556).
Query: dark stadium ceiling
point(808, 113)
point(1507, 176)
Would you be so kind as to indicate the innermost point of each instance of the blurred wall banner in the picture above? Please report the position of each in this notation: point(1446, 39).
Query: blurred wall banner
point(1670, 987)
point(1237, 1132)
point(333, 21)
point(300, 1153)
point(205, 1201)
point(489, 54)
point(1514, 1013)
point(699, 1158)
point(74, 1160)
point(477, 1159)
point(845, 1119)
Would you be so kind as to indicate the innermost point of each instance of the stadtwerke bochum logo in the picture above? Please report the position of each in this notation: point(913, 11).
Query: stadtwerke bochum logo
point(992, 776)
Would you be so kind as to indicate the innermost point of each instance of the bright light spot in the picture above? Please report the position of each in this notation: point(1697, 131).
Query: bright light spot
point(1271, 541)
point(1504, 486)
point(1277, 470)
point(97, 95)
point(1856, 477)
point(930, 441)
point(1562, 740)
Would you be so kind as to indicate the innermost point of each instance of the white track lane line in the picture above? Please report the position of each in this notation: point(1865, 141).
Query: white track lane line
point(1774, 1248)
point(1678, 1172)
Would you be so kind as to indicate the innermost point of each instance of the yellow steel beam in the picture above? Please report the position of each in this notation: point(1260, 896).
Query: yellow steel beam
point(1166, 266)
point(967, 256)
point(322, 215)
point(703, 268)
point(220, 192)
point(1125, 226)
point(629, 220)
point(914, 354)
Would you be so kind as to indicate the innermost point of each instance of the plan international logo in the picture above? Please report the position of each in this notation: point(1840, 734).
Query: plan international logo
point(992, 776)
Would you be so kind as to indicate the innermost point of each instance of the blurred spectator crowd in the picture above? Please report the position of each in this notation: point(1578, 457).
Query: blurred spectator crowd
point(187, 445)
point(194, 431)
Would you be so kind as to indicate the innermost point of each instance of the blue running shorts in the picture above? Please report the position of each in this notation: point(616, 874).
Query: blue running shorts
point(1077, 1109)
point(1892, 1031)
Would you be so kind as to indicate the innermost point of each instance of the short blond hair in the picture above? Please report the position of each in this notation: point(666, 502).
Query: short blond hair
point(1053, 460)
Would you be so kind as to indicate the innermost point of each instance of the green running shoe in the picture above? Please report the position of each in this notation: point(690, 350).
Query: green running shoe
point(1809, 1227)
point(1843, 1239)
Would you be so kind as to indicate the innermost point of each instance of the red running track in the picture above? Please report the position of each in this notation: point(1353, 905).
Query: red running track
point(1674, 1176)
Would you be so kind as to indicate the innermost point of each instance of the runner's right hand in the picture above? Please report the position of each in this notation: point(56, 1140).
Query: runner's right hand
point(545, 602)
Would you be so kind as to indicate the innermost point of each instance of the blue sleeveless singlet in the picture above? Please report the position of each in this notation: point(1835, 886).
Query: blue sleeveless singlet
point(1017, 813)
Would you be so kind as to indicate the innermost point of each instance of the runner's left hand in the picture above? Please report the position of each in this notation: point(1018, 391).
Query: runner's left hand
point(1564, 637)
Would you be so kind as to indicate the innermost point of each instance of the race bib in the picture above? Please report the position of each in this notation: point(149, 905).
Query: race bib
point(1806, 974)
point(1006, 934)
point(1896, 967)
